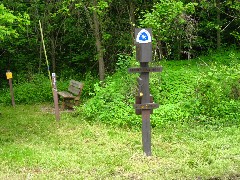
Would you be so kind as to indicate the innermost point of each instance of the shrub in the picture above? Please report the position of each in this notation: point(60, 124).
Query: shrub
point(112, 103)
point(36, 90)
point(217, 92)
point(201, 90)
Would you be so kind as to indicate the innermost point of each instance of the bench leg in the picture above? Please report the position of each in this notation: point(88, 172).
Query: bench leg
point(68, 103)
point(63, 104)
point(76, 102)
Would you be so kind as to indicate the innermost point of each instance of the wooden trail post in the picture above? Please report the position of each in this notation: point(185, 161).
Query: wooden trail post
point(55, 96)
point(9, 77)
point(144, 102)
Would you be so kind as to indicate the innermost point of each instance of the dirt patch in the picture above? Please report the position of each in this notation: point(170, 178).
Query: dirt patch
point(51, 110)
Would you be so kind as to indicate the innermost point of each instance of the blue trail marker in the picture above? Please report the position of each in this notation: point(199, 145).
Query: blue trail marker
point(144, 36)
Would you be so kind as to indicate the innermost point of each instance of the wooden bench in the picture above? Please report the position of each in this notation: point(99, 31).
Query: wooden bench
point(72, 96)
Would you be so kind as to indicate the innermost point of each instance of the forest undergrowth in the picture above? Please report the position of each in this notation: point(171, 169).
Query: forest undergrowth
point(203, 90)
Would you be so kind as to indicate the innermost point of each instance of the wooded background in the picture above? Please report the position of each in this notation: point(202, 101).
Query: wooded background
point(84, 36)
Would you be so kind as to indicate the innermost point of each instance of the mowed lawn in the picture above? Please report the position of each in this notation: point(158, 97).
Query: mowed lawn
point(34, 146)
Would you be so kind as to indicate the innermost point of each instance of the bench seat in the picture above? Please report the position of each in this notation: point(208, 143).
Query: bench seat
point(66, 94)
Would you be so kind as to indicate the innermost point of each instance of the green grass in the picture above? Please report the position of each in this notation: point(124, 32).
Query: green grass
point(34, 146)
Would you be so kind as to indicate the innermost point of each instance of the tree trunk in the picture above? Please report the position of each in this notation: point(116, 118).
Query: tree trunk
point(53, 53)
point(179, 47)
point(218, 23)
point(98, 43)
point(40, 59)
point(132, 19)
point(160, 48)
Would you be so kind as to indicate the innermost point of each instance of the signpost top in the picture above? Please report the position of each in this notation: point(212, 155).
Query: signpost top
point(143, 35)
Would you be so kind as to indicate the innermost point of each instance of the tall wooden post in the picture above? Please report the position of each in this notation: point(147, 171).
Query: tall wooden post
point(144, 104)
point(55, 96)
point(9, 77)
point(146, 126)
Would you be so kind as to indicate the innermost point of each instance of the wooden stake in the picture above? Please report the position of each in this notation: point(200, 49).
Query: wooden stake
point(9, 77)
point(144, 101)
point(146, 125)
point(55, 96)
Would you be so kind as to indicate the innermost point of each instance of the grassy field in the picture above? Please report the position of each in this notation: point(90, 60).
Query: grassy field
point(34, 146)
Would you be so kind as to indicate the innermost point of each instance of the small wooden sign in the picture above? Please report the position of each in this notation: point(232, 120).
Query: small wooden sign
point(138, 101)
point(9, 75)
point(146, 106)
point(145, 69)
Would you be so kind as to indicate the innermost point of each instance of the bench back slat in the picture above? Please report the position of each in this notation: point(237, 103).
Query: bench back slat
point(75, 87)
point(73, 90)
point(76, 84)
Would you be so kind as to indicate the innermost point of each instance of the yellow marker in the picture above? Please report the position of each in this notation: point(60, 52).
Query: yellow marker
point(141, 94)
point(9, 75)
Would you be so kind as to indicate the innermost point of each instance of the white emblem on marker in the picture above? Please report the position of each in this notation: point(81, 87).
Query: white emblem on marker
point(144, 36)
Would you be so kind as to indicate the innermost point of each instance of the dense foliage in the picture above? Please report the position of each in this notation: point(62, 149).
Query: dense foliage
point(7, 22)
point(204, 90)
point(87, 39)
point(80, 35)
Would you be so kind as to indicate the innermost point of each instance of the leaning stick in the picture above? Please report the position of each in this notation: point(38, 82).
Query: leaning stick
point(45, 53)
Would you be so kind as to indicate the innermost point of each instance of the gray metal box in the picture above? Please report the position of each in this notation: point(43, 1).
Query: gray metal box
point(144, 52)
